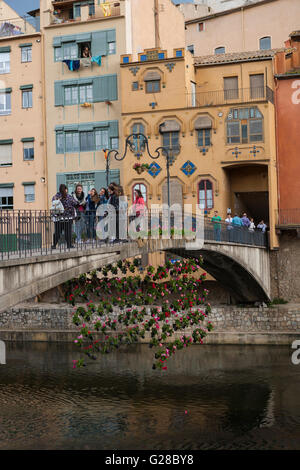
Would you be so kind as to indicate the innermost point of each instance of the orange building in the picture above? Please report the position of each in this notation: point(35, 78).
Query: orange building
point(287, 78)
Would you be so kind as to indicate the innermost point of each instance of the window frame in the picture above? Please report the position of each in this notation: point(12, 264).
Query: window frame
point(231, 93)
point(27, 93)
point(219, 47)
point(72, 141)
point(152, 83)
point(265, 48)
point(145, 192)
point(204, 137)
point(5, 70)
point(206, 208)
point(32, 186)
point(171, 135)
point(9, 204)
point(24, 51)
point(140, 130)
point(8, 163)
point(31, 157)
point(7, 110)
point(254, 115)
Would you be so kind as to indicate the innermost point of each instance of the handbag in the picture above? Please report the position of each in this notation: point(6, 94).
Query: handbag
point(57, 207)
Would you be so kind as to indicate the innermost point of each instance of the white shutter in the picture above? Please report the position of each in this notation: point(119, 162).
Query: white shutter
point(5, 154)
point(6, 192)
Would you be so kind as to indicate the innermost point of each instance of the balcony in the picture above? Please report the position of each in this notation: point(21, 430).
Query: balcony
point(65, 11)
point(231, 97)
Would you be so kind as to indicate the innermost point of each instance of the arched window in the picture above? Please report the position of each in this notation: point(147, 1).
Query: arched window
point(265, 43)
point(170, 137)
point(206, 200)
point(244, 125)
point(220, 50)
point(139, 144)
point(143, 188)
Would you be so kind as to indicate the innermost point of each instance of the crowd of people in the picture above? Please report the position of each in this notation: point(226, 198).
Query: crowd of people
point(77, 213)
point(235, 224)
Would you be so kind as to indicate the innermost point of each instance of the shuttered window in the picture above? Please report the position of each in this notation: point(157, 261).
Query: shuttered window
point(4, 62)
point(29, 192)
point(5, 154)
point(87, 137)
point(257, 86)
point(5, 103)
point(6, 197)
point(28, 150)
point(231, 90)
point(244, 125)
point(88, 90)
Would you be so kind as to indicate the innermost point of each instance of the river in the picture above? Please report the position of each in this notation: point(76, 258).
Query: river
point(211, 397)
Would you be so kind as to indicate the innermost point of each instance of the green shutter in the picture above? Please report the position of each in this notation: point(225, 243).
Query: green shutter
point(59, 94)
point(6, 90)
point(60, 179)
point(71, 38)
point(113, 129)
point(112, 88)
point(84, 37)
point(99, 43)
point(111, 35)
point(27, 139)
point(100, 179)
point(26, 87)
point(97, 89)
point(6, 142)
point(57, 41)
point(26, 44)
point(7, 185)
point(5, 49)
point(28, 183)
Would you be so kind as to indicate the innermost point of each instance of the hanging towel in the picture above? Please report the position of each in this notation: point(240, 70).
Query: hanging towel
point(86, 62)
point(73, 65)
point(97, 59)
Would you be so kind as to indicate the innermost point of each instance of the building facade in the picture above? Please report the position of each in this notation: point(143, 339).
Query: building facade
point(221, 139)
point(254, 26)
point(83, 100)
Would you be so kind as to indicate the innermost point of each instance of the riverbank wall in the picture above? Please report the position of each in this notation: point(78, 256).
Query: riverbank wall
point(232, 324)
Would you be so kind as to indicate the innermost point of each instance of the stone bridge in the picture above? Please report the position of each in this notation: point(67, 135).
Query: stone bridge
point(243, 269)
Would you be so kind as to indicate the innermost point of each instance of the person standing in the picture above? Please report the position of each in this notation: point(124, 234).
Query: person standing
point(90, 215)
point(262, 226)
point(252, 225)
point(79, 197)
point(138, 206)
point(123, 207)
point(229, 228)
point(63, 222)
point(216, 219)
point(237, 227)
point(113, 201)
point(245, 220)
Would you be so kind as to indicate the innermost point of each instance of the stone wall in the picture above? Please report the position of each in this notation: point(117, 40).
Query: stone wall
point(285, 267)
point(284, 318)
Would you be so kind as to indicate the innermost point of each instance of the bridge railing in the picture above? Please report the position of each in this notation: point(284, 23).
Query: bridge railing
point(28, 233)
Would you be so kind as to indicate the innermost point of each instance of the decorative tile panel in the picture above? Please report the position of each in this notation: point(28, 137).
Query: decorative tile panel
point(154, 169)
point(188, 168)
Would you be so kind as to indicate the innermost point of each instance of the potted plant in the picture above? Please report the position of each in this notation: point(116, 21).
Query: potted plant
point(140, 167)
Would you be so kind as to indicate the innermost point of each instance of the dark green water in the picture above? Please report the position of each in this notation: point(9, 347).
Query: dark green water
point(236, 397)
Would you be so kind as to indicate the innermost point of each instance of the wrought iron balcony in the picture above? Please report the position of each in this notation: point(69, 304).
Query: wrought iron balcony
point(231, 97)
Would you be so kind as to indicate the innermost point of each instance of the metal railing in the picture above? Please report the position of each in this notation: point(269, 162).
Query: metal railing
point(31, 233)
point(235, 96)
point(288, 217)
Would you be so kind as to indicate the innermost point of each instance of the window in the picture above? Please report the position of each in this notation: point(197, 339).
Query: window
point(71, 95)
point(4, 62)
point(85, 93)
point(29, 192)
point(27, 99)
point(6, 198)
point(265, 43)
point(139, 142)
point(70, 51)
point(26, 54)
point(203, 137)
point(112, 47)
point(87, 141)
point(102, 139)
point(206, 201)
point(135, 86)
point(57, 54)
point(77, 8)
point(200, 27)
point(220, 50)
point(231, 90)
point(72, 142)
point(5, 103)
point(170, 132)
point(28, 150)
point(257, 89)
point(5, 153)
point(153, 86)
point(141, 187)
point(244, 125)
point(191, 49)
point(87, 180)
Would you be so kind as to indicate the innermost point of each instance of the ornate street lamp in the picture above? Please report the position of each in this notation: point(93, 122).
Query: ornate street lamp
point(139, 143)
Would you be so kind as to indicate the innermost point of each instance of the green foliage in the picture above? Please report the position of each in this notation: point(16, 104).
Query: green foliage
point(174, 293)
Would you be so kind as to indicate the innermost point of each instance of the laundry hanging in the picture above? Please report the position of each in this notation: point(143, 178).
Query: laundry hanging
point(73, 65)
point(97, 59)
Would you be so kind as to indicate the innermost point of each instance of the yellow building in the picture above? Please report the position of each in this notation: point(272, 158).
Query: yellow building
point(22, 164)
point(216, 117)
point(83, 99)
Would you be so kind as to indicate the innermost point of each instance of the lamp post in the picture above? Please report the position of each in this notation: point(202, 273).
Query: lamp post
point(136, 142)
point(107, 156)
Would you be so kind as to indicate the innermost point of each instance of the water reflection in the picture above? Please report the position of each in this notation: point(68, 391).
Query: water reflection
point(244, 397)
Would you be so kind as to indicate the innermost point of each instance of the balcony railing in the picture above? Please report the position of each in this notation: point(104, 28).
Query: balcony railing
point(288, 217)
point(235, 96)
point(101, 11)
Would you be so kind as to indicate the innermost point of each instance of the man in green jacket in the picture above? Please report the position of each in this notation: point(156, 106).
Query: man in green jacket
point(217, 226)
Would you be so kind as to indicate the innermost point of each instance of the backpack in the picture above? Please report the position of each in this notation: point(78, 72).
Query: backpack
point(57, 207)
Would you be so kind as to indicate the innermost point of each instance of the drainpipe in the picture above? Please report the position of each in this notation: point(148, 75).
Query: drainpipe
point(243, 29)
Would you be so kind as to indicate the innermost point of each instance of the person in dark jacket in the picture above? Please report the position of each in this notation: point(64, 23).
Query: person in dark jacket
point(113, 200)
point(78, 195)
point(92, 201)
point(63, 222)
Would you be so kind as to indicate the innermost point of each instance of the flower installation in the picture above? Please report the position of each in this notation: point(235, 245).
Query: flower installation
point(140, 167)
point(166, 305)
